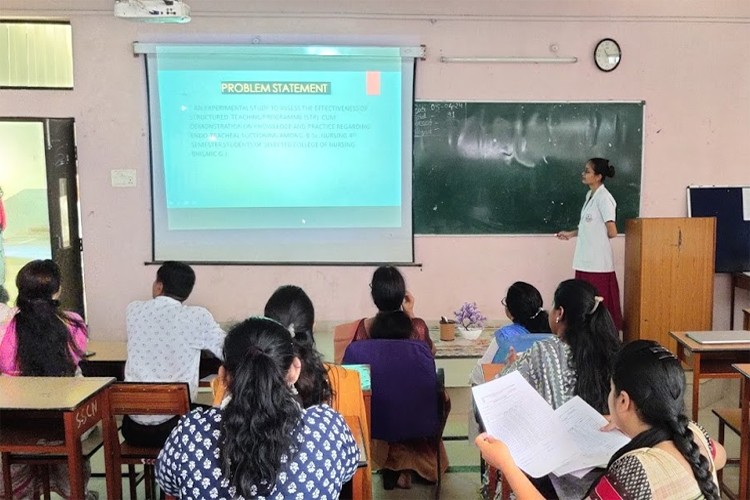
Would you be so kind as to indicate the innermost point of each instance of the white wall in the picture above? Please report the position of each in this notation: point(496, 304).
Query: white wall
point(686, 59)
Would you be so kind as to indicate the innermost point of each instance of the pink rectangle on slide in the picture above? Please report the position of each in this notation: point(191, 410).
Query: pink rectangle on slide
point(373, 82)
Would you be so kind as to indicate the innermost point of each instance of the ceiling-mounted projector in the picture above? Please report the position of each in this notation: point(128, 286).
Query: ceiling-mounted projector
point(153, 11)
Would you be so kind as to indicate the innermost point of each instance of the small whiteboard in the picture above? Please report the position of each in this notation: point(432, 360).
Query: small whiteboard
point(731, 207)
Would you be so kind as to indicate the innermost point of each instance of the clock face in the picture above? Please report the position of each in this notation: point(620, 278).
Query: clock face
point(607, 54)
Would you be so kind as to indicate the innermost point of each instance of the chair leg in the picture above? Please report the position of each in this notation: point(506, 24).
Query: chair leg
point(132, 482)
point(7, 481)
point(439, 469)
point(44, 471)
point(720, 472)
point(148, 481)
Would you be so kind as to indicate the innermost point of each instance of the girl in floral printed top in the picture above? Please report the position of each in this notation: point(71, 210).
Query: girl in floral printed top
point(260, 443)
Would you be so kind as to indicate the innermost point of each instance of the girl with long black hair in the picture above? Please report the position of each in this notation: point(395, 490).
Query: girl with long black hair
point(260, 443)
point(577, 361)
point(291, 306)
point(668, 457)
point(39, 339)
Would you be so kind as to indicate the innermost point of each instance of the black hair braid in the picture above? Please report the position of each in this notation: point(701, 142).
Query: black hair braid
point(682, 437)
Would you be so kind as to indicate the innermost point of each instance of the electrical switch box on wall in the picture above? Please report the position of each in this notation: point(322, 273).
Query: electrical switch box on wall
point(123, 178)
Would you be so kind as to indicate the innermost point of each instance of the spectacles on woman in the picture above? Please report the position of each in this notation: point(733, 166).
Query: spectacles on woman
point(504, 302)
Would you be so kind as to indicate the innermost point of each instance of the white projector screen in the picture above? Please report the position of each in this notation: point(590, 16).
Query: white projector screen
point(281, 154)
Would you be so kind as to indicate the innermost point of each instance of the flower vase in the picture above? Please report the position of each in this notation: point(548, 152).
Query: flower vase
point(469, 333)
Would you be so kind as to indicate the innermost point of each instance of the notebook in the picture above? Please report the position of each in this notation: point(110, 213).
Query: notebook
point(721, 337)
point(364, 374)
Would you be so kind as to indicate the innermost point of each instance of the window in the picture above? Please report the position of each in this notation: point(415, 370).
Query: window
point(36, 55)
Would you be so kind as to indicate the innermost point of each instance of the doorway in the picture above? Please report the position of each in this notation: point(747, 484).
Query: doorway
point(38, 177)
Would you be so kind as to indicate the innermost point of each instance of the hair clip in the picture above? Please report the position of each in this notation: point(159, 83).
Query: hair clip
point(661, 352)
point(538, 311)
point(598, 299)
point(291, 329)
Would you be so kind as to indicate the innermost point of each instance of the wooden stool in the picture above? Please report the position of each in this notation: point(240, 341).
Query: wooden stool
point(731, 417)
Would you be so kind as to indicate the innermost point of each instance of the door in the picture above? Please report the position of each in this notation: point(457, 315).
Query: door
point(62, 198)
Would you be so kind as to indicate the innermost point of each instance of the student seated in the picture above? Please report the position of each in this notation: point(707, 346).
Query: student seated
point(165, 339)
point(5, 311)
point(525, 308)
point(290, 306)
point(388, 290)
point(668, 457)
point(399, 460)
point(260, 442)
point(576, 362)
point(38, 339)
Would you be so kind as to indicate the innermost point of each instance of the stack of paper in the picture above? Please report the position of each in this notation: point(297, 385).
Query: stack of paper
point(542, 440)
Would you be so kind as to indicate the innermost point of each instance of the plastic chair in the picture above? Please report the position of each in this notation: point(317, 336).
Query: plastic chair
point(143, 398)
point(407, 393)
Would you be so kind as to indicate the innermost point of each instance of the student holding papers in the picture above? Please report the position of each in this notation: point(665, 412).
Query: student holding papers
point(577, 361)
point(668, 456)
point(525, 308)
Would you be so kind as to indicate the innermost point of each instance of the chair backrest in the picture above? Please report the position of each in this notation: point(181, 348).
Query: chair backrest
point(405, 388)
point(149, 398)
point(342, 337)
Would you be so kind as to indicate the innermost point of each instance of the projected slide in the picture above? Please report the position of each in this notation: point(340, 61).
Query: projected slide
point(309, 142)
point(308, 147)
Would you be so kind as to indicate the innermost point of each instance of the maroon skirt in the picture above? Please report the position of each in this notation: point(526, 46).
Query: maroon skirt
point(606, 286)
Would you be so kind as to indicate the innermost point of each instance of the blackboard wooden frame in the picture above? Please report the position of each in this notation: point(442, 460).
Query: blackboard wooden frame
point(732, 230)
point(514, 167)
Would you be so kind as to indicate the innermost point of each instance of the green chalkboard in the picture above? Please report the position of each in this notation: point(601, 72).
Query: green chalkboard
point(515, 168)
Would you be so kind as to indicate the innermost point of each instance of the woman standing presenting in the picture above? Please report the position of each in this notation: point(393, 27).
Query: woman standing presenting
point(593, 260)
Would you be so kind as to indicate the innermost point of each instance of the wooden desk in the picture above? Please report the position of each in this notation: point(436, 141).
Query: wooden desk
point(359, 438)
point(709, 361)
point(739, 280)
point(49, 415)
point(744, 370)
point(109, 357)
point(461, 347)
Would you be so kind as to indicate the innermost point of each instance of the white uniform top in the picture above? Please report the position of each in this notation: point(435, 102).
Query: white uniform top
point(593, 250)
point(165, 339)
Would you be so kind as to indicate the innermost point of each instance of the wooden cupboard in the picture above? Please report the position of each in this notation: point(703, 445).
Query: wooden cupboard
point(669, 277)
